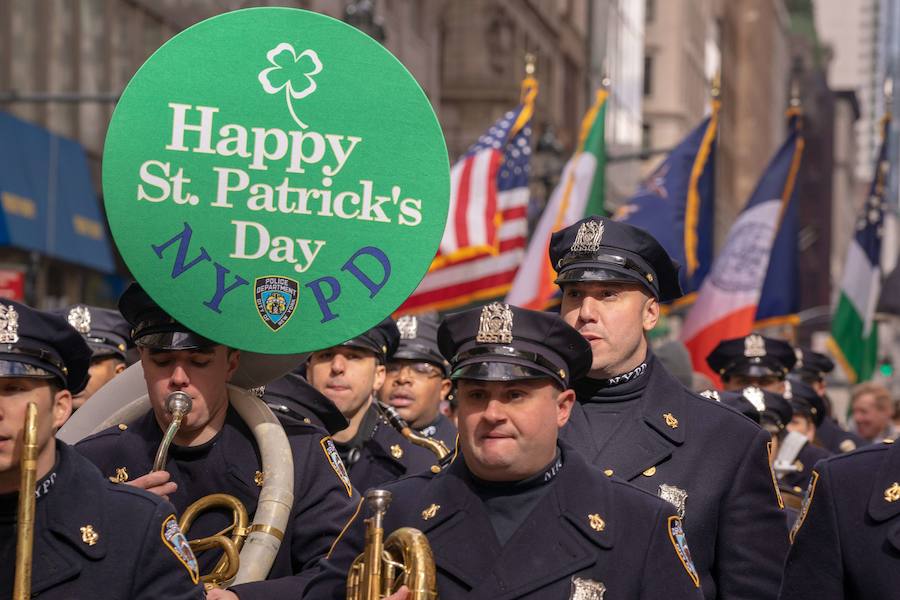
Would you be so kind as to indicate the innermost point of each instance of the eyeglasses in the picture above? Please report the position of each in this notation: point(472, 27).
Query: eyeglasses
point(422, 368)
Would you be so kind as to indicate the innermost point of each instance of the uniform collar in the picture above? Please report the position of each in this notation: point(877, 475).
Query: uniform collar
point(888, 474)
point(78, 502)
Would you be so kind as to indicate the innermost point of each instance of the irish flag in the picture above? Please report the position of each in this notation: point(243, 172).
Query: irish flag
point(579, 193)
point(854, 333)
point(728, 298)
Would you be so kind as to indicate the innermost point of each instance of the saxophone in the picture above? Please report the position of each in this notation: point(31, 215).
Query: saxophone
point(438, 447)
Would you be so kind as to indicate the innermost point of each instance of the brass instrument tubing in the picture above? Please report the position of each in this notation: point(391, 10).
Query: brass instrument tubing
point(25, 528)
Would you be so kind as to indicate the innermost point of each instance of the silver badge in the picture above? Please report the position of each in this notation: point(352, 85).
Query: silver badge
point(408, 326)
point(9, 325)
point(588, 237)
point(674, 496)
point(755, 396)
point(754, 346)
point(496, 324)
point(587, 589)
point(711, 395)
point(80, 318)
point(788, 392)
point(798, 353)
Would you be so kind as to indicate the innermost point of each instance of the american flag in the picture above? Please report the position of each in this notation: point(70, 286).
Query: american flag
point(484, 240)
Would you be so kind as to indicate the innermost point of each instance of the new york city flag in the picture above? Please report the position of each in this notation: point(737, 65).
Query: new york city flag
point(726, 305)
point(854, 332)
point(676, 204)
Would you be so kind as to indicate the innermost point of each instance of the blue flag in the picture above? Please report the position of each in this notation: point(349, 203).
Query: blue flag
point(676, 203)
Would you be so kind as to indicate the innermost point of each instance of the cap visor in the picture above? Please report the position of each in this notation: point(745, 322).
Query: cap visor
point(589, 271)
point(500, 369)
point(173, 340)
point(14, 368)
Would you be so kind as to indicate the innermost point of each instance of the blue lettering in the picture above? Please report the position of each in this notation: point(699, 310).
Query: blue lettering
point(364, 279)
point(221, 290)
point(335, 291)
point(184, 240)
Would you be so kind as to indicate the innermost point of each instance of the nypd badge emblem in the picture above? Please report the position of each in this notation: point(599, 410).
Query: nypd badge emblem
point(276, 300)
point(495, 326)
point(586, 589)
point(79, 317)
point(408, 326)
point(9, 325)
point(588, 238)
point(679, 541)
point(175, 540)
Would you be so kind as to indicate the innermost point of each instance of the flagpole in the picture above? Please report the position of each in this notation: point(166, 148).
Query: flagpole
point(527, 95)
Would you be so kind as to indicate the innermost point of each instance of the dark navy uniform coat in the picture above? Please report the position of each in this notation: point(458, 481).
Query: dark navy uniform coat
point(443, 430)
point(129, 560)
point(808, 456)
point(323, 501)
point(632, 554)
point(386, 455)
point(835, 439)
point(848, 541)
point(719, 458)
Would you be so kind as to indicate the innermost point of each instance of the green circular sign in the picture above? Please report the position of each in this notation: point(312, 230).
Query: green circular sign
point(276, 180)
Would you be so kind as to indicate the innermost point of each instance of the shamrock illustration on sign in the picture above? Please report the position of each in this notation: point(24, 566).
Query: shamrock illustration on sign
point(292, 73)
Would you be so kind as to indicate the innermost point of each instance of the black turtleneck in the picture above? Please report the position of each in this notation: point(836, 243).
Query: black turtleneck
point(350, 450)
point(508, 503)
point(609, 403)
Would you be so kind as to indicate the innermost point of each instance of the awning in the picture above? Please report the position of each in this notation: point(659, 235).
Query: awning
point(47, 200)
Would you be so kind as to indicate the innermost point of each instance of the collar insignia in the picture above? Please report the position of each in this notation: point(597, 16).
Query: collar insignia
point(9, 325)
point(892, 494)
point(588, 237)
point(755, 396)
point(671, 421)
point(754, 346)
point(597, 523)
point(80, 318)
point(431, 511)
point(88, 535)
point(675, 496)
point(397, 451)
point(586, 589)
point(259, 478)
point(496, 324)
point(121, 475)
point(408, 326)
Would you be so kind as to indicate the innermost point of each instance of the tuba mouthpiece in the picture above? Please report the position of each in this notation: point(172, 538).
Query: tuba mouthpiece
point(179, 403)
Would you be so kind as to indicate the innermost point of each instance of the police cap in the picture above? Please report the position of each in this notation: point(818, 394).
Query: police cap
point(752, 356)
point(152, 327)
point(499, 342)
point(600, 249)
point(810, 365)
point(805, 400)
point(41, 345)
point(737, 401)
point(382, 340)
point(105, 330)
point(292, 393)
point(418, 340)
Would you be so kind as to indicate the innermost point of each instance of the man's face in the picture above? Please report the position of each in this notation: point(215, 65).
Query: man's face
point(347, 376)
point(415, 388)
point(802, 425)
point(870, 419)
point(613, 318)
point(102, 371)
point(52, 408)
point(770, 383)
point(508, 429)
point(202, 374)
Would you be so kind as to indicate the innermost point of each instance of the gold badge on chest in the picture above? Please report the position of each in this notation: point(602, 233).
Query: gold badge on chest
point(586, 589)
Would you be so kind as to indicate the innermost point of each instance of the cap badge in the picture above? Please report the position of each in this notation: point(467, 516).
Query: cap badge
point(755, 396)
point(408, 326)
point(88, 535)
point(788, 392)
point(711, 395)
point(496, 324)
point(587, 589)
point(597, 523)
point(675, 496)
point(397, 451)
point(798, 353)
point(9, 325)
point(431, 511)
point(588, 237)
point(80, 318)
point(892, 494)
point(754, 346)
point(671, 421)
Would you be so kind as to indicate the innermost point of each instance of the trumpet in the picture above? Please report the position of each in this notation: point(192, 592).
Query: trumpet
point(25, 527)
point(436, 446)
point(404, 558)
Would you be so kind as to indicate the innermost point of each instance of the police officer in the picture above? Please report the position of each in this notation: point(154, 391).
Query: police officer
point(798, 450)
point(417, 380)
point(215, 452)
point(811, 367)
point(350, 375)
point(520, 514)
point(107, 334)
point(846, 543)
point(635, 420)
point(92, 539)
point(294, 400)
point(753, 360)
